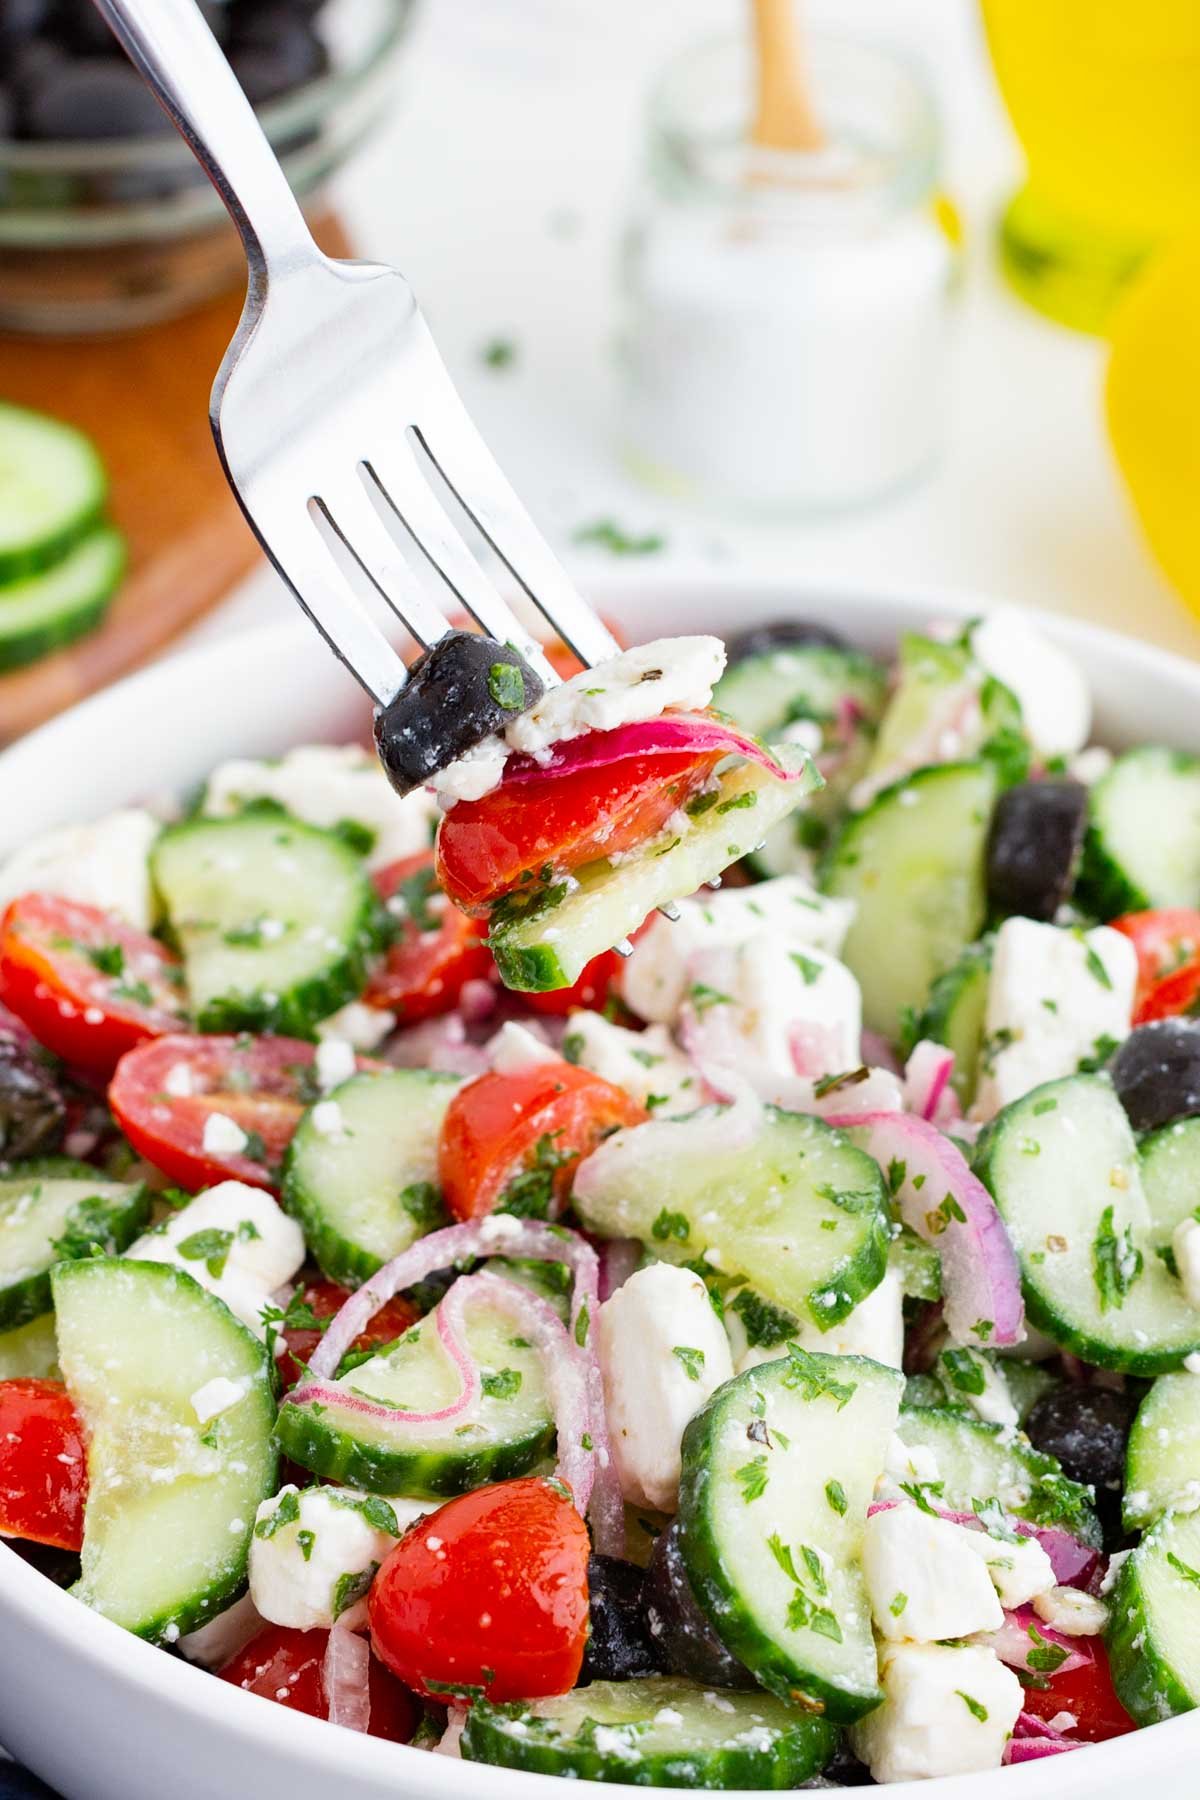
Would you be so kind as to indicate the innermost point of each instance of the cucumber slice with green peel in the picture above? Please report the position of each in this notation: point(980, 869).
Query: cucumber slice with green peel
point(277, 920)
point(30, 1350)
point(919, 1265)
point(367, 1193)
point(800, 681)
point(49, 608)
point(956, 1012)
point(56, 1209)
point(1087, 1224)
point(797, 1212)
point(943, 703)
point(171, 1497)
point(52, 489)
point(1154, 1622)
point(1170, 1165)
point(503, 1435)
point(979, 1461)
point(1162, 1461)
point(548, 942)
point(778, 1471)
point(913, 863)
point(661, 1731)
point(1142, 847)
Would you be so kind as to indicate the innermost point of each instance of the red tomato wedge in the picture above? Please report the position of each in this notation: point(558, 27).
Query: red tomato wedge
point(514, 1141)
point(87, 985)
point(490, 1592)
point(528, 831)
point(43, 1464)
point(284, 1665)
point(438, 951)
point(262, 1084)
point(1168, 952)
point(325, 1298)
point(1087, 1693)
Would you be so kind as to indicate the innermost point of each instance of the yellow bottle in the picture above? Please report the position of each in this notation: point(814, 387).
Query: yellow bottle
point(1105, 98)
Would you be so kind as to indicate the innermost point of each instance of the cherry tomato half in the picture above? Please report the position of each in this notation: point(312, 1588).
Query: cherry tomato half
point(87, 985)
point(491, 1592)
point(1087, 1693)
point(1167, 942)
point(557, 822)
point(284, 1665)
point(438, 951)
point(43, 1464)
point(324, 1299)
point(262, 1084)
point(516, 1140)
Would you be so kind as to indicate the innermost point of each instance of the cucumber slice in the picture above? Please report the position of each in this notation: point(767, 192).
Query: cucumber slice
point(367, 1194)
point(171, 1501)
point(1162, 1461)
point(931, 676)
point(798, 1213)
point(778, 1471)
point(55, 1209)
point(503, 1435)
point(919, 1265)
point(1063, 1167)
point(978, 1461)
point(956, 1012)
point(1154, 1623)
point(549, 945)
point(41, 612)
point(799, 681)
point(1143, 841)
point(658, 1732)
point(913, 863)
point(52, 488)
point(1027, 1382)
point(29, 1350)
point(276, 920)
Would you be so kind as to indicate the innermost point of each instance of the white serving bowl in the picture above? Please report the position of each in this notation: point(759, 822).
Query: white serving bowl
point(103, 1716)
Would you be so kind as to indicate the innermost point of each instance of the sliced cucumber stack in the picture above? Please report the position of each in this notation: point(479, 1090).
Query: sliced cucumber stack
point(504, 1434)
point(52, 490)
point(172, 1491)
point(941, 694)
point(546, 943)
point(367, 1193)
point(1087, 1218)
point(661, 1731)
point(798, 1212)
point(978, 1461)
point(56, 1209)
point(778, 1471)
point(277, 920)
point(955, 1014)
point(1143, 841)
point(44, 611)
point(913, 863)
point(1162, 1461)
point(1154, 1626)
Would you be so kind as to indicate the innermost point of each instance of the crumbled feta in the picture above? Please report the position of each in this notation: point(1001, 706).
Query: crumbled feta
point(905, 1463)
point(335, 1062)
point(1071, 1611)
point(499, 1228)
point(1056, 706)
point(945, 1711)
point(363, 1027)
point(645, 1063)
point(1185, 1242)
point(1019, 1571)
point(179, 1081)
point(981, 1386)
point(772, 1013)
point(222, 1136)
point(924, 1581)
point(296, 1566)
point(662, 1353)
point(875, 1328)
point(213, 1644)
point(516, 1048)
point(1116, 1562)
point(655, 979)
point(217, 1396)
point(327, 1121)
point(104, 864)
point(328, 785)
point(235, 1241)
point(475, 773)
point(1055, 996)
point(636, 684)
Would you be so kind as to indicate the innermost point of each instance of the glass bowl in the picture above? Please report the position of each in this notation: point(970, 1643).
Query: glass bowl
point(111, 235)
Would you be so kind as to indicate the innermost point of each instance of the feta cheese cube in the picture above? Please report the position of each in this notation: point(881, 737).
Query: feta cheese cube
point(645, 1063)
point(1055, 996)
point(1071, 1611)
point(945, 1712)
point(313, 1551)
point(327, 785)
point(104, 864)
point(923, 1580)
point(655, 979)
point(222, 1136)
point(335, 1062)
point(640, 683)
point(363, 1027)
point(905, 1464)
point(772, 1013)
point(1185, 1242)
point(235, 1241)
point(516, 1048)
point(1019, 1571)
point(663, 1353)
point(217, 1396)
point(1055, 703)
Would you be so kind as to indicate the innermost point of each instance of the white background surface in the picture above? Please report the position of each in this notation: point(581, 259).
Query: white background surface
point(515, 115)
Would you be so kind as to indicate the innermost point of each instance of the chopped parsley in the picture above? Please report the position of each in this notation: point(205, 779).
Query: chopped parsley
point(506, 685)
point(835, 1493)
point(898, 1604)
point(808, 1373)
point(1116, 1261)
point(109, 959)
point(530, 1194)
point(671, 1225)
point(965, 1371)
point(498, 353)
point(286, 1513)
point(692, 1360)
point(306, 1541)
point(810, 969)
point(975, 1707)
point(606, 534)
point(753, 1477)
point(830, 1084)
point(702, 997)
point(502, 1384)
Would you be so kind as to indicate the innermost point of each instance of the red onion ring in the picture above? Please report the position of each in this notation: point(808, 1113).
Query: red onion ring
point(346, 1677)
point(1014, 1645)
point(684, 734)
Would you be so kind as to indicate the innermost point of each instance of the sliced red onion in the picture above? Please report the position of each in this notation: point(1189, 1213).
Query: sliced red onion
point(1032, 1749)
point(346, 1677)
point(877, 1052)
point(619, 1257)
point(440, 1043)
point(477, 1001)
point(451, 1330)
point(927, 1090)
point(1014, 1643)
point(1029, 1725)
point(691, 734)
point(944, 1203)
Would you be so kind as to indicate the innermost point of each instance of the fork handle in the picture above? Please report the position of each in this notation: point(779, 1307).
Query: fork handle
point(179, 58)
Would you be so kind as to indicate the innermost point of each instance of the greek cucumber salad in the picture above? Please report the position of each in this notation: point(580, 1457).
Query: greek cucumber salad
point(768, 1357)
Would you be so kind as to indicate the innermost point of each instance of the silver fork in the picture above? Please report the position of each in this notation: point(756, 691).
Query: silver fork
point(332, 403)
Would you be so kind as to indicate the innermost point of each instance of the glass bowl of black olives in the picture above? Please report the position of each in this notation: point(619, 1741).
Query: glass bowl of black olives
point(106, 221)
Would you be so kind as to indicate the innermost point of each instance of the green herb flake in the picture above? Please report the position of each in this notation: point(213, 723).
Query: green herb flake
point(692, 1360)
point(1116, 1261)
point(502, 1384)
point(753, 1478)
point(306, 1541)
point(835, 1494)
point(975, 1707)
point(808, 967)
point(898, 1604)
point(807, 1372)
point(506, 685)
point(671, 1225)
point(606, 534)
point(286, 1513)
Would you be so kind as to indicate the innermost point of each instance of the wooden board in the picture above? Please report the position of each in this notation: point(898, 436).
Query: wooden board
point(144, 398)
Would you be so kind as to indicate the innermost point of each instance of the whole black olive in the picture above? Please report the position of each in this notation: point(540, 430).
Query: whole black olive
point(464, 688)
point(1034, 846)
point(685, 1641)
point(32, 1112)
point(1087, 1429)
point(843, 1770)
point(784, 634)
point(1157, 1073)
point(619, 1647)
point(93, 97)
point(274, 49)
